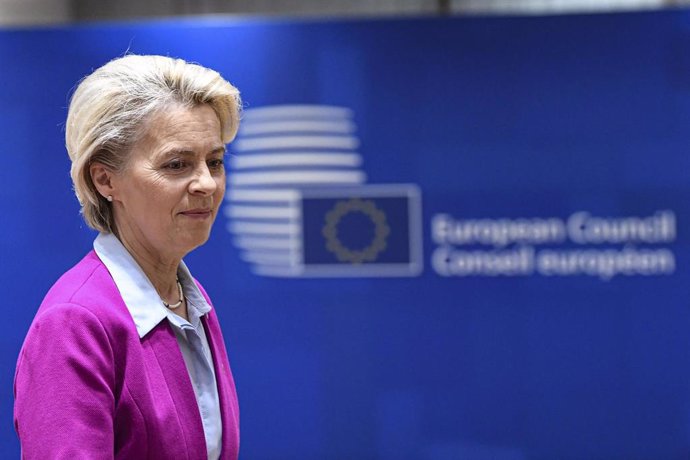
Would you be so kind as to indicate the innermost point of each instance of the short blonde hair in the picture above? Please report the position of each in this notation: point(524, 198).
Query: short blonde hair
point(110, 106)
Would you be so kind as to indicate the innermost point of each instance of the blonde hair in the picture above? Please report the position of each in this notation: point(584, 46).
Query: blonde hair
point(110, 106)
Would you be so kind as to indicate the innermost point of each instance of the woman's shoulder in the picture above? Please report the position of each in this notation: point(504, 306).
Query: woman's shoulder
point(88, 288)
point(82, 312)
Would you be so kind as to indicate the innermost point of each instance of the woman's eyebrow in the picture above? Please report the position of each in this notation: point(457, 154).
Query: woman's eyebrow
point(176, 151)
point(187, 152)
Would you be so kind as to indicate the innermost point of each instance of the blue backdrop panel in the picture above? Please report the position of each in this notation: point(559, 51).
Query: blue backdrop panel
point(551, 318)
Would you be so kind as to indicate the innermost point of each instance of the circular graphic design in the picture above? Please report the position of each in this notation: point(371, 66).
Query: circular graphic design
point(331, 231)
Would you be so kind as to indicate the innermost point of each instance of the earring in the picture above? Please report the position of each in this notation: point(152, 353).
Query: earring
point(109, 198)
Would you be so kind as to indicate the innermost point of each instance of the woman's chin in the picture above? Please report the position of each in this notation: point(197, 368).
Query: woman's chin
point(193, 239)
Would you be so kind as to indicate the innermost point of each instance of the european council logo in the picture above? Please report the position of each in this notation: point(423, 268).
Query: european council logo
point(298, 204)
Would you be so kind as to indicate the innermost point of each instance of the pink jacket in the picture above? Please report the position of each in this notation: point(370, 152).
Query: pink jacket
point(86, 386)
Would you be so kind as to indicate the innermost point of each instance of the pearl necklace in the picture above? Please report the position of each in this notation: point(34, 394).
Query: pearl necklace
point(179, 291)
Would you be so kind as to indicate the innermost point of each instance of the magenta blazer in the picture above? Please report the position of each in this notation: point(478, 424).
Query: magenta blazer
point(87, 387)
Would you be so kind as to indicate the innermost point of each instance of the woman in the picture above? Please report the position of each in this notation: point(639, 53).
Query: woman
point(125, 358)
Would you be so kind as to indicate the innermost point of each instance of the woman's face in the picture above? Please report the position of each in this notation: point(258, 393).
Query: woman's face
point(168, 195)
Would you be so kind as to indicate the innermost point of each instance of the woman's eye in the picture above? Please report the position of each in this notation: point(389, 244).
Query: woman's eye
point(175, 165)
point(216, 164)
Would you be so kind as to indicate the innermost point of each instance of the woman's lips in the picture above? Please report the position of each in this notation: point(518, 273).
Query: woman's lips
point(202, 213)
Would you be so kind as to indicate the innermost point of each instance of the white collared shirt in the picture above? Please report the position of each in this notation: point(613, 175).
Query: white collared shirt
point(147, 310)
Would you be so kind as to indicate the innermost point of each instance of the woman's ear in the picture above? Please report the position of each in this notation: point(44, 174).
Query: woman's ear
point(102, 179)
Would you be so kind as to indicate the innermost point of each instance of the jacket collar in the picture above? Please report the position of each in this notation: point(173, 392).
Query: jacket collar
point(140, 297)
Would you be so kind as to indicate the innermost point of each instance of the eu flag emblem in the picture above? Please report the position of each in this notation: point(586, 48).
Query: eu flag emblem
point(361, 231)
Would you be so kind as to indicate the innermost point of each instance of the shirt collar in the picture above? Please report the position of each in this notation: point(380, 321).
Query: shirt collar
point(140, 297)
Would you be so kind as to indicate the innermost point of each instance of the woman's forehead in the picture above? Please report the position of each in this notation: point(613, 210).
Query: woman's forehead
point(183, 129)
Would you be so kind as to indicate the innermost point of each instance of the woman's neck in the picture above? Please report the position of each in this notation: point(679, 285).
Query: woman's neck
point(160, 269)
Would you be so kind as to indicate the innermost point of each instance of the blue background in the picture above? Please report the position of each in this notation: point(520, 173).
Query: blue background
point(491, 117)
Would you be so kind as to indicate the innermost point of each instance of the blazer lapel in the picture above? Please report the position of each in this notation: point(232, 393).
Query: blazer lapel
point(227, 394)
point(163, 344)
